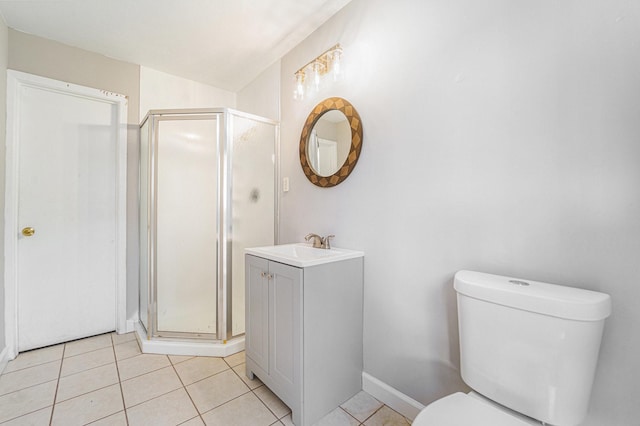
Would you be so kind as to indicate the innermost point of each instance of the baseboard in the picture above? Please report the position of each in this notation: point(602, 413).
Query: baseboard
point(4, 359)
point(391, 397)
point(131, 325)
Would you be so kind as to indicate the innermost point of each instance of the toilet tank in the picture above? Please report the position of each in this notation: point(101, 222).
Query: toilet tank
point(530, 346)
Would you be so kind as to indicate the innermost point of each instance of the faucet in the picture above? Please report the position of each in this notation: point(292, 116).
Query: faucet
point(320, 242)
point(317, 240)
point(326, 243)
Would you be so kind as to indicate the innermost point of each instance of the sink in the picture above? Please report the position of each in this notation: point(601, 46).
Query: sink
point(303, 255)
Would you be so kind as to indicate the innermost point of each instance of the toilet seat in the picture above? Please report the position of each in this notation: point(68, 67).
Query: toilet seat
point(460, 409)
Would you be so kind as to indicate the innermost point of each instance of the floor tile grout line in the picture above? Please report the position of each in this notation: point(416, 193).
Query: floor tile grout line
point(124, 406)
point(258, 396)
point(88, 352)
point(28, 366)
point(25, 414)
point(265, 404)
point(126, 341)
point(179, 362)
point(87, 338)
point(350, 415)
point(226, 402)
point(6, 373)
point(188, 420)
point(205, 378)
point(55, 394)
point(145, 373)
point(185, 389)
point(30, 386)
point(86, 393)
point(88, 369)
point(107, 416)
point(373, 414)
point(155, 397)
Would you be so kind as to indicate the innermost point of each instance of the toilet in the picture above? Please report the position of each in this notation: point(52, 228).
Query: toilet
point(527, 349)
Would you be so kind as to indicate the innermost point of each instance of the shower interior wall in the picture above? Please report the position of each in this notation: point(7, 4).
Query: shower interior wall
point(207, 191)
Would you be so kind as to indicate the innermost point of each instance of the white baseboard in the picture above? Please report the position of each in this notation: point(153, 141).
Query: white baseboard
point(131, 325)
point(4, 358)
point(391, 397)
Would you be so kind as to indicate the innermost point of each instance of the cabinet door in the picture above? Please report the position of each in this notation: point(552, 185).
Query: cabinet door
point(285, 293)
point(257, 310)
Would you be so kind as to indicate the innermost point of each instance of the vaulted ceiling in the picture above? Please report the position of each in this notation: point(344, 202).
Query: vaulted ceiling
point(224, 43)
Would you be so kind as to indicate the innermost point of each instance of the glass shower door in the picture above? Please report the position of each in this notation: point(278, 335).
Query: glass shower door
point(186, 182)
point(253, 199)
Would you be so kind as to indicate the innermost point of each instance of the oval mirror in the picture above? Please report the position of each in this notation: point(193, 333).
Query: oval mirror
point(331, 142)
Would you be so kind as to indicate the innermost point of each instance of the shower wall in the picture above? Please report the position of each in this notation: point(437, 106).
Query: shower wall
point(207, 191)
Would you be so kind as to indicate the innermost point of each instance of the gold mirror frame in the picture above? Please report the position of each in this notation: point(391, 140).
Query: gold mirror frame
point(355, 124)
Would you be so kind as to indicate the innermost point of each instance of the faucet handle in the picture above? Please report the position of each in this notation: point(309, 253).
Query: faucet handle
point(318, 241)
point(326, 243)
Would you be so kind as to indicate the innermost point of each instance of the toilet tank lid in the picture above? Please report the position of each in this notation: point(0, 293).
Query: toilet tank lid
point(549, 299)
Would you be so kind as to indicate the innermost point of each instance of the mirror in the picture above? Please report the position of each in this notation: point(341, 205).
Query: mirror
point(331, 142)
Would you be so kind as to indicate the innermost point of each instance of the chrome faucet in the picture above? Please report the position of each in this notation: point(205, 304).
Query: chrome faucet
point(320, 242)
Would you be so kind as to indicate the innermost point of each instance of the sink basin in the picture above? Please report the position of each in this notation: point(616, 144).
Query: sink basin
point(303, 255)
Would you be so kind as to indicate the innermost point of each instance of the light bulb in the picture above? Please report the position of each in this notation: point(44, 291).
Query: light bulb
point(335, 62)
point(298, 93)
point(316, 75)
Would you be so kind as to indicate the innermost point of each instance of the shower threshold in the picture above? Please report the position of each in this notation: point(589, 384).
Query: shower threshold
point(186, 346)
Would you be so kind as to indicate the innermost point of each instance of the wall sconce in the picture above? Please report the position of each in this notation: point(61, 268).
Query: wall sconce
point(310, 76)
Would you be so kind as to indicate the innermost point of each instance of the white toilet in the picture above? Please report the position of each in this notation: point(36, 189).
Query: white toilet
point(528, 349)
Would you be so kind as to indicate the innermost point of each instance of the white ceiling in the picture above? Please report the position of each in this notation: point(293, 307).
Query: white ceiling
point(224, 43)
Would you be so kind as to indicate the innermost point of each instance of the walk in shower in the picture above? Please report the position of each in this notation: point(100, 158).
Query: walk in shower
point(208, 180)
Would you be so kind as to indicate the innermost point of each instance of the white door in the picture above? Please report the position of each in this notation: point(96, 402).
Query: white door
point(67, 190)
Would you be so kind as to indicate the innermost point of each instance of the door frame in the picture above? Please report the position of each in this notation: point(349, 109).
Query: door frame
point(16, 80)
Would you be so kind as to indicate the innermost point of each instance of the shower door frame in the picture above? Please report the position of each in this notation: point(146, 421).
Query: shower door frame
point(224, 299)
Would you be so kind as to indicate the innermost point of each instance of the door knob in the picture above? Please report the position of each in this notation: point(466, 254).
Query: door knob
point(28, 231)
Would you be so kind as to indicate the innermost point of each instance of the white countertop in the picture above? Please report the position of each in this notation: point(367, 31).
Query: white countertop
point(303, 255)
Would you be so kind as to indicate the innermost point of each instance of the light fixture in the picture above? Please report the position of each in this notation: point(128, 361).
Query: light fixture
point(309, 77)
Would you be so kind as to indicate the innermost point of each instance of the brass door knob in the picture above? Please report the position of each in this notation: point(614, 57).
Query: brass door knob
point(28, 231)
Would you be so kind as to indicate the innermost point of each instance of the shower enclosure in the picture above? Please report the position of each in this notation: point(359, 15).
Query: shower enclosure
point(208, 180)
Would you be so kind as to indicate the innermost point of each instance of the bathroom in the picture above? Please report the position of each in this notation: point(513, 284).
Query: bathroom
point(499, 136)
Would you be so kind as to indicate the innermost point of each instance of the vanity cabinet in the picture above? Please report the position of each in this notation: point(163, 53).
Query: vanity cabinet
point(304, 332)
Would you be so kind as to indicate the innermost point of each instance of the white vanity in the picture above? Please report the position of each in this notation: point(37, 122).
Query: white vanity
point(304, 325)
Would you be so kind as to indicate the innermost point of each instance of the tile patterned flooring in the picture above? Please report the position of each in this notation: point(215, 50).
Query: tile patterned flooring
point(106, 380)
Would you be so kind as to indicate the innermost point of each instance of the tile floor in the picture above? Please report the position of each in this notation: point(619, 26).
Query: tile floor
point(106, 380)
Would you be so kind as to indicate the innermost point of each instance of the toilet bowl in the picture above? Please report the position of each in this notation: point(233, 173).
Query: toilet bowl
point(461, 409)
point(528, 350)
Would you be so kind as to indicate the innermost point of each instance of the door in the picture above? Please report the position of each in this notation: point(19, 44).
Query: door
point(186, 214)
point(257, 310)
point(68, 209)
point(285, 330)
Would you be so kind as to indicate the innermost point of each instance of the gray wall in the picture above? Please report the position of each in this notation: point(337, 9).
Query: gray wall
point(51, 59)
point(4, 49)
point(499, 136)
point(261, 96)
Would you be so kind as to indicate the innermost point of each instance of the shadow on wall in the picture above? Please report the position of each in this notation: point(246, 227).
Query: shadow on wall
point(450, 300)
point(444, 377)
